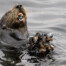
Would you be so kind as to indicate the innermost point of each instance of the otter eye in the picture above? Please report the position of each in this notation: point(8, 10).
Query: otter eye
point(18, 6)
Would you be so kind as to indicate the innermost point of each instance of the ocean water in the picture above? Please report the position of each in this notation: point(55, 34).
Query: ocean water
point(44, 16)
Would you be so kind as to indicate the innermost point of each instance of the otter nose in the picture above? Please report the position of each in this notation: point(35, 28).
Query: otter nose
point(19, 6)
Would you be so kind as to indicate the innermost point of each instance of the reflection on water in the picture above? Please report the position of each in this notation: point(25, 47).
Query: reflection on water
point(43, 16)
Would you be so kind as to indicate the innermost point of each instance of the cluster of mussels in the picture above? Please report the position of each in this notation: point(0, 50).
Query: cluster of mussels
point(40, 45)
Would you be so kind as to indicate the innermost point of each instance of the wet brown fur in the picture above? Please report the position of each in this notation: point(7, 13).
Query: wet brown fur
point(10, 18)
point(43, 44)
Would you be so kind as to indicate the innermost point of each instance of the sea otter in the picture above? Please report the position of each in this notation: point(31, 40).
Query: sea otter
point(40, 45)
point(13, 27)
point(14, 18)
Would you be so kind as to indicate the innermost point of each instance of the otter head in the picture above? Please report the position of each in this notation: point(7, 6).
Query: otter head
point(15, 18)
point(19, 17)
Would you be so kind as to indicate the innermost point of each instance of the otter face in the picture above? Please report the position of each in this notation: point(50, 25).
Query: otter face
point(20, 16)
point(15, 18)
